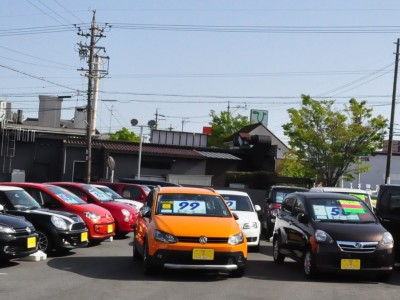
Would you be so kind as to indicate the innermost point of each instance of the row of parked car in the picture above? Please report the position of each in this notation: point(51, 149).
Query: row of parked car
point(60, 216)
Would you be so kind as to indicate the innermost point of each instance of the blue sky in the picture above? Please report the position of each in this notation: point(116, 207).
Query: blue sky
point(183, 59)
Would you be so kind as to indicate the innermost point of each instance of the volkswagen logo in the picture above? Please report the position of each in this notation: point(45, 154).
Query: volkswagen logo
point(359, 245)
point(203, 240)
point(28, 229)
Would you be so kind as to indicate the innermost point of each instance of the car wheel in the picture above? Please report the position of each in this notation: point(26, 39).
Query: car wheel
point(44, 242)
point(277, 255)
point(148, 267)
point(310, 269)
point(239, 272)
point(135, 253)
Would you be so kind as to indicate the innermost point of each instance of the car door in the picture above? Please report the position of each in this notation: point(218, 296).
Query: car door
point(284, 221)
point(297, 237)
point(143, 220)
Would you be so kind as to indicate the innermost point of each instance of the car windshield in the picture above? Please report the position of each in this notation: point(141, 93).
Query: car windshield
point(20, 199)
point(238, 202)
point(66, 195)
point(339, 210)
point(110, 192)
point(192, 205)
point(99, 195)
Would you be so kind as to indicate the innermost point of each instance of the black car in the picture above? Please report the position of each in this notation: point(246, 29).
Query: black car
point(57, 230)
point(330, 232)
point(274, 199)
point(17, 237)
point(388, 211)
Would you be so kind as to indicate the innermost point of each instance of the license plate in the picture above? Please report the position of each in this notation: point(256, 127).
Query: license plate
point(350, 264)
point(31, 242)
point(203, 254)
point(84, 236)
point(110, 228)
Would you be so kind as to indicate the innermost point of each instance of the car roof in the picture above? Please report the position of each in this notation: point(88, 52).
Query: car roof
point(289, 187)
point(338, 190)
point(5, 188)
point(186, 190)
point(232, 192)
point(327, 195)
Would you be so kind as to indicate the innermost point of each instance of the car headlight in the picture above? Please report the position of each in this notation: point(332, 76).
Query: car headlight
point(125, 212)
point(164, 237)
point(322, 237)
point(59, 222)
point(6, 229)
point(92, 216)
point(387, 239)
point(251, 225)
point(236, 239)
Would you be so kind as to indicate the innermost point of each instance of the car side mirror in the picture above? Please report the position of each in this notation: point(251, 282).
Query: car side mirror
point(268, 200)
point(235, 216)
point(303, 218)
point(84, 198)
point(257, 207)
point(1, 207)
point(145, 212)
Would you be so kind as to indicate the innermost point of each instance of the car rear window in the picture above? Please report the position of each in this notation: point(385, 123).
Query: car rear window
point(341, 210)
point(188, 204)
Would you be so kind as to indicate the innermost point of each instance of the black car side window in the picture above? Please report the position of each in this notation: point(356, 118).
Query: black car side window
point(299, 207)
point(394, 203)
point(288, 204)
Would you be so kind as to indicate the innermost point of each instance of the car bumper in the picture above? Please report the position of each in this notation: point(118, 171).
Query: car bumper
point(252, 236)
point(16, 247)
point(329, 259)
point(73, 239)
point(99, 232)
point(222, 261)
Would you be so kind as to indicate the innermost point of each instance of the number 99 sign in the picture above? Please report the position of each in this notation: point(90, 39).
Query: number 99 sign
point(190, 207)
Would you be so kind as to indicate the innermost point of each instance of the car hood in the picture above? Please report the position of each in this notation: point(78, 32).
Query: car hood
point(130, 202)
point(353, 232)
point(101, 211)
point(246, 216)
point(13, 221)
point(197, 226)
point(47, 212)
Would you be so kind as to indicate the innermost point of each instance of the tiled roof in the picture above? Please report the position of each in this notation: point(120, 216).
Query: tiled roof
point(149, 149)
point(218, 155)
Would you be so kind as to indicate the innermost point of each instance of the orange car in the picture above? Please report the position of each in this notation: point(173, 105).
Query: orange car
point(188, 228)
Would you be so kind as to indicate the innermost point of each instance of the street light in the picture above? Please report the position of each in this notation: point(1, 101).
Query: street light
point(151, 124)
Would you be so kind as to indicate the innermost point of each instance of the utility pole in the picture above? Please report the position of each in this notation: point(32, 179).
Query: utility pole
point(390, 143)
point(157, 118)
point(94, 74)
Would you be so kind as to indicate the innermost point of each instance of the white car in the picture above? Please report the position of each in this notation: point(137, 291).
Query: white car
point(240, 203)
point(117, 197)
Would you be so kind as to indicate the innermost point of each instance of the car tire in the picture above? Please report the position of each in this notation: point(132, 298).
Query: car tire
point(44, 241)
point(135, 253)
point(148, 267)
point(310, 270)
point(277, 256)
point(239, 272)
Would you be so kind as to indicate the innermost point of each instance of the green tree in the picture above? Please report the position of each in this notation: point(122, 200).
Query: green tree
point(327, 142)
point(124, 135)
point(223, 126)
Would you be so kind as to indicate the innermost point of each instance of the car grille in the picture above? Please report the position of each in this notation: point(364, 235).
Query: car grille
point(23, 231)
point(193, 239)
point(357, 247)
point(78, 226)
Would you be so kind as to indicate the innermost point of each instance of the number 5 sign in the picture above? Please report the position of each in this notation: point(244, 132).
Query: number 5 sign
point(259, 116)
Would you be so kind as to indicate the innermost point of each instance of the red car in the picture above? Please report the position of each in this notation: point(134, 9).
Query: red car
point(124, 215)
point(131, 191)
point(99, 221)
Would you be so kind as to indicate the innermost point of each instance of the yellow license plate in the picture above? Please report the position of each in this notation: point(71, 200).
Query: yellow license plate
point(350, 264)
point(31, 242)
point(203, 254)
point(110, 228)
point(84, 236)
